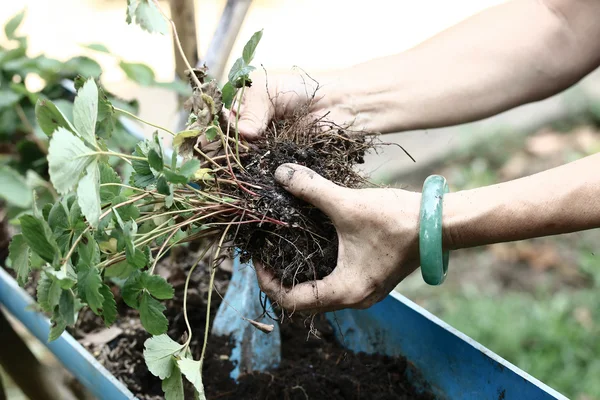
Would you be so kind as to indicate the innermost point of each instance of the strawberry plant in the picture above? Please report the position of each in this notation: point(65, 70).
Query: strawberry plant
point(107, 229)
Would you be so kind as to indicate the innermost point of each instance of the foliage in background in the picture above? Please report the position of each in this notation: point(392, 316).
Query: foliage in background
point(109, 227)
point(23, 142)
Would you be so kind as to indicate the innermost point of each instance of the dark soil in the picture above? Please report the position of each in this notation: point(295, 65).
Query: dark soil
point(311, 368)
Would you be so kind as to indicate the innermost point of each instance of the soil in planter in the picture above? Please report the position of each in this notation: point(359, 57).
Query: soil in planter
point(311, 368)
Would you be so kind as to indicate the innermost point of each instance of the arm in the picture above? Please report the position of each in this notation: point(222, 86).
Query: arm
point(378, 229)
point(512, 54)
point(508, 55)
point(560, 200)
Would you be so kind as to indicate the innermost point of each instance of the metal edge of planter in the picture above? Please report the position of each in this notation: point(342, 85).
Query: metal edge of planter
point(75, 358)
point(442, 359)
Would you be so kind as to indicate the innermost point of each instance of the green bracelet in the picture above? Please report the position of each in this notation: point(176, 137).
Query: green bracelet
point(434, 261)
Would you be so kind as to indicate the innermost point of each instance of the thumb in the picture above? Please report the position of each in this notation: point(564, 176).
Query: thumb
point(311, 187)
point(253, 118)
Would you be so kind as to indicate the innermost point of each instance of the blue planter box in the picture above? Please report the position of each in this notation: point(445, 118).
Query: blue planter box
point(453, 365)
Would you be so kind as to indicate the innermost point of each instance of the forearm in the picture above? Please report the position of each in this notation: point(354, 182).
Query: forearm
point(503, 57)
point(560, 200)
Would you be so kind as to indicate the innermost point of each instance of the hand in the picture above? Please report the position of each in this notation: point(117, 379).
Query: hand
point(378, 243)
point(280, 95)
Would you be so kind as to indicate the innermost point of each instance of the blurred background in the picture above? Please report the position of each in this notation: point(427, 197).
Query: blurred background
point(535, 303)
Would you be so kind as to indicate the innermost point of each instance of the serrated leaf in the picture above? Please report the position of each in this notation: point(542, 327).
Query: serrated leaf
point(58, 325)
point(13, 24)
point(89, 283)
point(146, 15)
point(143, 175)
point(181, 136)
point(58, 219)
point(85, 111)
point(189, 168)
point(151, 315)
point(239, 72)
point(158, 354)
point(137, 72)
point(157, 286)
point(131, 290)
point(162, 186)
point(65, 276)
point(173, 385)
point(14, 188)
point(119, 270)
point(108, 176)
point(128, 211)
point(67, 159)
point(191, 370)
point(211, 133)
point(109, 305)
point(66, 307)
point(174, 177)
point(88, 250)
point(88, 194)
point(155, 160)
point(38, 236)
point(227, 93)
point(48, 293)
point(50, 118)
point(250, 47)
point(18, 253)
point(97, 47)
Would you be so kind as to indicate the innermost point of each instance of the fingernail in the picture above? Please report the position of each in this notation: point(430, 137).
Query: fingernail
point(284, 174)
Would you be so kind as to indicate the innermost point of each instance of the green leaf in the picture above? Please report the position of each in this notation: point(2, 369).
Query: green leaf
point(146, 15)
point(162, 186)
point(88, 194)
point(143, 176)
point(58, 220)
point(50, 118)
point(155, 160)
point(18, 253)
point(109, 305)
point(151, 315)
point(189, 168)
point(227, 93)
point(66, 307)
point(97, 47)
point(38, 236)
point(108, 175)
point(239, 72)
point(65, 276)
point(84, 66)
point(9, 98)
point(157, 286)
point(158, 354)
point(173, 385)
point(120, 270)
point(67, 158)
point(89, 283)
point(48, 292)
point(191, 370)
point(88, 250)
point(85, 111)
point(126, 212)
point(13, 24)
point(131, 290)
point(58, 325)
point(211, 133)
point(174, 177)
point(250, 47)
point(14, 188)
point(137, 72)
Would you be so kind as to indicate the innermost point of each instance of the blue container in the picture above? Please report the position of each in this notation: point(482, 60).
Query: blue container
point(453, 365)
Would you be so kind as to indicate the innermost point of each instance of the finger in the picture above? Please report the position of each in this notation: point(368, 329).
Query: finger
point(253, 116)
point(309, 186)
point(322, 295)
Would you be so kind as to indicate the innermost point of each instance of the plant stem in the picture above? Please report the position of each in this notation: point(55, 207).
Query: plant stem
point(144, 121)
point(185, 290)
point(210, 290)
point(237, 117)
point(104, 214)
point(179, 47)
point(125, 157)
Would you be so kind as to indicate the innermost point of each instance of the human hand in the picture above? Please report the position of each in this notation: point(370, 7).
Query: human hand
point(281, 95)
point(378, 243)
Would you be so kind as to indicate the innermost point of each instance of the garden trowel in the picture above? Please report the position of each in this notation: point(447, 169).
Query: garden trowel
point(255, 338)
